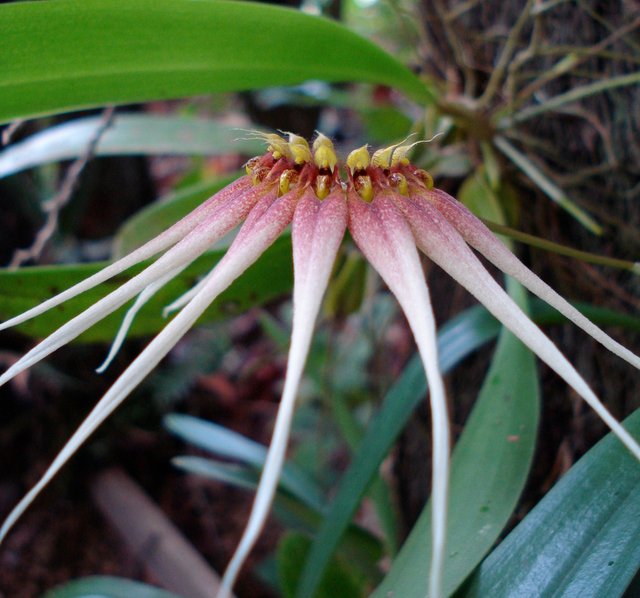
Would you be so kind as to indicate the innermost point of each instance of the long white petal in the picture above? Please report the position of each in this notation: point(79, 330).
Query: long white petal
point(475, 232)
point(237, 259)
point(179, 256)
point(317, 229)
point(444, 245)
point(382, 234)
point(164, 240)
point(132, 312)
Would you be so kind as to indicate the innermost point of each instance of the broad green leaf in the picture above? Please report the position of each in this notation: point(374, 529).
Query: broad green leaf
point(270, 277)
point(160, 215)
point(221, 441)
point(107, 587)
point(489, 467)
point(456, 340)
point(67, 55)
point(581, 540)
point(128, 134)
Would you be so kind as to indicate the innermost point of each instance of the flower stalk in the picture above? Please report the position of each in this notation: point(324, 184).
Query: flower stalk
point(392, 210)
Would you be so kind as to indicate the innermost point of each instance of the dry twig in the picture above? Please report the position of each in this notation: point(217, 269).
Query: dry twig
point(53, 207)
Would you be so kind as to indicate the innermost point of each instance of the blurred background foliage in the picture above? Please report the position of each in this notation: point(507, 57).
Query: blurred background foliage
point(533, 111)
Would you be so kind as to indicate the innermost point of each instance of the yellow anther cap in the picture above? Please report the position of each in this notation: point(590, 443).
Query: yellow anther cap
point(358, 159)
point(299, 149)
point(382, 157)
point(278, 147)
point(324, 155)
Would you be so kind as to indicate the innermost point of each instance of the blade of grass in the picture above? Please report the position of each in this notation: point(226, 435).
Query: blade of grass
point(585, 256)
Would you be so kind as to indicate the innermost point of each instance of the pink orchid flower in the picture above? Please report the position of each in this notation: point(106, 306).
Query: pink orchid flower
point(391, 210)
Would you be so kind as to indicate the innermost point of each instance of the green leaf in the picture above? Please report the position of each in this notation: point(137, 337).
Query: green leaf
point(582, 539)
point(338, 581)
point(456, 340)
point(270, 277)
point(240, 476)
point(128, 134)
point(221, 441)
point(67, 55)
point(107, 587)
point(160, 215)
point(489, 468)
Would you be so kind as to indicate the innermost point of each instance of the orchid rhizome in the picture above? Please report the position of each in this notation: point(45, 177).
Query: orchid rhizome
point(391, 210)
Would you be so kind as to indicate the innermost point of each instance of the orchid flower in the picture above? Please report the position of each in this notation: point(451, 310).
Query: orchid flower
point(391, 210)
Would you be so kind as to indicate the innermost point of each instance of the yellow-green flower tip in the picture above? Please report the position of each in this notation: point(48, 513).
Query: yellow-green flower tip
point(278, 147)
point(299, 148)
point(359, 159)
point(324, 155)
point(399, 155)
point(382, 157)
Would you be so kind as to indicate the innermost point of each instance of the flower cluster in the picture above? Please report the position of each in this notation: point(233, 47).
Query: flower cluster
point(391, 210)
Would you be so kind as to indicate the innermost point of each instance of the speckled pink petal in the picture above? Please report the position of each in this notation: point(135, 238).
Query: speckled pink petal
point(164, 240)
point(444, 245)
point(384, 237)
point(275, 216)
point(317, 230)
point(476, 233)
point(196, 242)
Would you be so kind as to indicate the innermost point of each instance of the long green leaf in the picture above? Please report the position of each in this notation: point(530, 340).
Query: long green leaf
point(107, 587)
point(582, 539)
point(489, 467)
point(128, 134)
point(270, 277)
point(67, 55)
point(221, 441)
